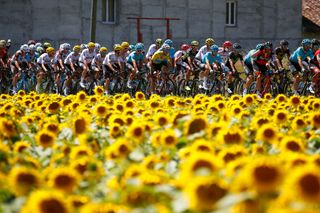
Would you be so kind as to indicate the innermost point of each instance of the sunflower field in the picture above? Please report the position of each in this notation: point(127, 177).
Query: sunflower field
point(111, 154)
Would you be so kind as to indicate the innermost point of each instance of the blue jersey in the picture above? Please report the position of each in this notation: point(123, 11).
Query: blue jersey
point(134, 56)
point(211, 58)
point(30, 58)
point(300, 53)
point(247, 58)
point(172, 51)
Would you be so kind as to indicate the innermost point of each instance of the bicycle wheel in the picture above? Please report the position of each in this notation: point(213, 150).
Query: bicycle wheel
point(181, 88)
point(252, 88)
point(274, 89)
point(287, 89)
point(167, 87)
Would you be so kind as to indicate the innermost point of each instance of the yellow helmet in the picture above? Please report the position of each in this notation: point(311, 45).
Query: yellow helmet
point(117, 47)
point(103, 49)
point(91, 45)
point(76, 48)
point(50, 50)
point(209, 41)
point(125, 44)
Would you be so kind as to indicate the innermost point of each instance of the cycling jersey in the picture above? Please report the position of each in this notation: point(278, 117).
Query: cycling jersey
point(261, 58)
point(234, 58)
point(160, 57)
point(250, 54)
point(46, 59)
point(30, 58)
point(112, 58)
point(3, 54)
point(203, 50)
point(152, 49)
point(180, 54)
point(212, 59)
point(18, 57)
point(87, 56)
point(172, 52)
point(223, 54)
point(60, 55)
point(315, 60)
point(134, 56)
point(280, 53)
point(72, 58)
point(300, 53)
point(191, 54)
point(97, 60)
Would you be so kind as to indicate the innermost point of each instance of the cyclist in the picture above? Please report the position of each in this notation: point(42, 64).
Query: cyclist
point(112, 63)
point(153, 48)
point(233, 57)
point(3, 54)
point(72, 60)
point(97, 62)
point(314, 64)
point(280, 53)
point(225, 49)
point(191, 54)
point(18, 62)
point(178, 63)
point(97, 47)
point(46, 45)
point(85, 60)
point(172, 50)
point(213, 62)
point(203, 50)
point(135, 61)
point(300, 60)
point(249, 65)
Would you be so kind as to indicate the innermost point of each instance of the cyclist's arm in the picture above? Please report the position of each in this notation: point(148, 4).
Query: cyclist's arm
point(300, 63)
point(318, 59)
point(232, 65)
point(135, 67)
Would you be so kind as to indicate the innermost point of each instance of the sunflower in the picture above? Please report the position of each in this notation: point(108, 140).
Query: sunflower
point(263, 174)
point(122, 147)
point(53, 107)
point(298, 123)
point(202, 145)
point(52, 127)
point(140, 96)
point(22, 180)
point(315, 119)
point(232, 153)
point(77, 201)
point(168, 138)
point(204, 193)
point(231, 136)
point(98, 90)
point(114, 130)
point(281, 116)
point(80, 151)
point(136, 131)
point(81, 96)
point(80, 125)
point(101, 110)
point(292, 144)
point(195, 125)
point(267, 133)
point(65, 179)
point(7, 128)
point(247, 206)
point(306, 184)
point(21, 146)
point(248, 100)
point(46, 201)
point(45, 138)
point(162, 119)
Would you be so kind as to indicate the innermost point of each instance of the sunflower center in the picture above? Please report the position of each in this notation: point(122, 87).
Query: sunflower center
point(316, 119)
point(123, 149)
point(268, 133)
point(300, 122)
point(265, 174)
point(45, 138)
point(310, 184)
point(281, 116)
point(137, 132)
point(27, 179)
point(230, 138)
point(162, 121)
point(210, 193)
point(52, 206)
point(229, 157)
point(54, 106)
point(196, 126)
point(80, 126)
point(63, 181)
point(295, 100)
point(293, 146)
point(203, 148)
point(101, 110)
point(262, 121)
point(202, 164)
point(169, 140)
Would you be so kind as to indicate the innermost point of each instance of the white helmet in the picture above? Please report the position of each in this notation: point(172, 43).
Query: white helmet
point(38, 45)
point(24, 48)
point(32, 48)
point(97, 46)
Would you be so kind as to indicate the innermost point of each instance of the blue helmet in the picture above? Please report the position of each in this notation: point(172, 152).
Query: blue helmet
point(169, 42)
point(131, 47)
point(259, 47)
point(306, 42)
point(139, 46)
point(214, 48)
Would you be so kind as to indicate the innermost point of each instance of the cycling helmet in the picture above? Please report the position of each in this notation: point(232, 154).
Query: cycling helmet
point(31, 42)
point(306, 42)
point(237, 46)
point(260, 47)
point(2, 43)
point(194, 43)
point(103, 49)
point(227, 44)
point(117, 47)
point(50, 50)
point(76, 48)
point(185, 47)
point(97, 46)
point(284, 43)
point(169, 42)
point(315, 42)
point(67, 46)
point(83, 46)
point(131, 47)
point(46, 45)
point(159, 41)
point(91, 45)
point(32, 47)
point(125, 44)
point(268, 44)
point(24, 48)
point(209, 41)
point(39, 49)
point(214, 48)
point(38, 45)
point(165, 47)
point(139, 47)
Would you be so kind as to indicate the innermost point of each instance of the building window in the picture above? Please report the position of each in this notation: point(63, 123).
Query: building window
point(109, 11)
point(231, 13)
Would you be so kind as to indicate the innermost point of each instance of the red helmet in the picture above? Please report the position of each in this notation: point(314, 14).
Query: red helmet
point(185, 47)
point(227, 44)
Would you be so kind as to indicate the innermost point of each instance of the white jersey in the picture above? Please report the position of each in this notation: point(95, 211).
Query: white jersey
point(203, 50)
point(152, 49)
point(87, 56)
point(72, 58)
point(112, 58)
point(124, 56)
point(97, 59)
point(224, 54)
point(59, 55)
point(46, 59)
point(179, 55)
